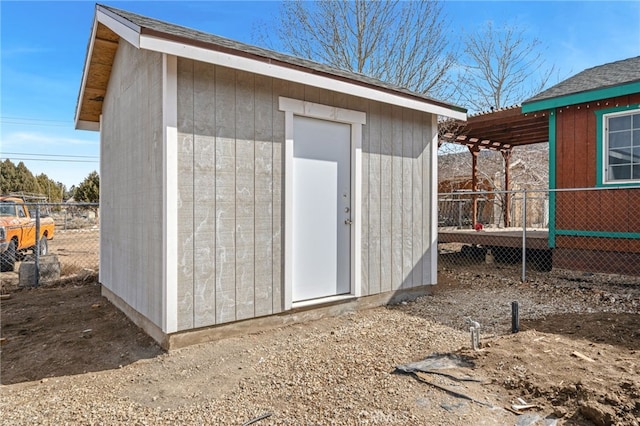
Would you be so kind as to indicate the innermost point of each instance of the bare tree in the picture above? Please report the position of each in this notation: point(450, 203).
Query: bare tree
point(528, 169)
point(403, 43)
point(502, 67)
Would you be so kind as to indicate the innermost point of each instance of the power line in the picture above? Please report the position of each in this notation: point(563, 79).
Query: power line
point(35, 124)
point(33, 119)
point(48, 159)
point(51, 155)
point(29, 121)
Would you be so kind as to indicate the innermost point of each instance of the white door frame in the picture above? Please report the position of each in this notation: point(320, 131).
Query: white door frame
point(356, 119)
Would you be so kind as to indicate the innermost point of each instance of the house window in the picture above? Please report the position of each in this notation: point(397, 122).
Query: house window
point(622, 147)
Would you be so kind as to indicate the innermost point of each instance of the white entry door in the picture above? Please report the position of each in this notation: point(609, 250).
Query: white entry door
point(321, 208)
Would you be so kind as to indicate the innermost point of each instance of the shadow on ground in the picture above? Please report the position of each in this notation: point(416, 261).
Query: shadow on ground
point(65, 330)
point(617, 329)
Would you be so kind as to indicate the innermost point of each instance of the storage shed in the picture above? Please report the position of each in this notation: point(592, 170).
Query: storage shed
point(594, 170)
point(243, 188)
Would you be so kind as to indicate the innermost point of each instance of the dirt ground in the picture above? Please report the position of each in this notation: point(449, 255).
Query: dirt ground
point(77, 250)
point(65, 330)
point(578, 368)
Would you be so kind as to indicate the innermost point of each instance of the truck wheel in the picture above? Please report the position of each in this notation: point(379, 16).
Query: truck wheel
point(8, 257)
point(44, 246)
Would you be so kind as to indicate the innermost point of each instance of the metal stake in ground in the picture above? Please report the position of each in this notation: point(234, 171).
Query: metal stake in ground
point(515, 317)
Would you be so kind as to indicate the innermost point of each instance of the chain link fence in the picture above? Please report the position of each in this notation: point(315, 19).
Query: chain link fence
point(526, 233)
point(523, 234)
point(68, 246)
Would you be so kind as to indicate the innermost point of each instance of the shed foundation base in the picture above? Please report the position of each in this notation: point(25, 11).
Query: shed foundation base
point(296, 315)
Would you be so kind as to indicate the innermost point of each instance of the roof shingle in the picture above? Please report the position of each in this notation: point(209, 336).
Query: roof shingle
point(599, 77)
point(189, 35)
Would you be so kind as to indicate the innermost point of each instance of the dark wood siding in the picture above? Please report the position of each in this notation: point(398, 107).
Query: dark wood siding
point(576, 141)
point(613, 262)
point(610, 211)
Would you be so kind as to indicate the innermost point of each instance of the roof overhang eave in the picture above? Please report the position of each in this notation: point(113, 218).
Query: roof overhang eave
point(167, 44)
point(270, 68)
point(88, 125)
point(124, 29)
point(581, 97)
point(85, 73)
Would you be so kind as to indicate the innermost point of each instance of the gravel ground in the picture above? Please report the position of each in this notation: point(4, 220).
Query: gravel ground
point(341, 370)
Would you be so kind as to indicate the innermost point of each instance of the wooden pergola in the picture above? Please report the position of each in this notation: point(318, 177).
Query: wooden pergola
point(500, 130)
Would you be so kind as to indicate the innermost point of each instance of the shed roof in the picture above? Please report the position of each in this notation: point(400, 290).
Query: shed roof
point(111, 25)
point(604, 81)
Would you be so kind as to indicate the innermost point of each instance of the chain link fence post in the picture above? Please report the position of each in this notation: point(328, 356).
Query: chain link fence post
point(55, 241)
point(524, 236)
point(36, 254)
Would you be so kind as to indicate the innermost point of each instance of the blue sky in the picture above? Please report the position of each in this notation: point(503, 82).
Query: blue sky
point(43, 46)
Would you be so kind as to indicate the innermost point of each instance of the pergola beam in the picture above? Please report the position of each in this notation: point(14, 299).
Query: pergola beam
point(500, 130)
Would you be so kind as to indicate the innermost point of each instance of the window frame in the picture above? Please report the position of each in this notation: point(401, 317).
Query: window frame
point(602, 145)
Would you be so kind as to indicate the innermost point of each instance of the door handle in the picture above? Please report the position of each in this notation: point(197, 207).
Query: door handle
point(348, 222)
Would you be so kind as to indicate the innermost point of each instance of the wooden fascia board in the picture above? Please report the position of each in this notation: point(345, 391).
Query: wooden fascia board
point(582, 97)
point(295, 74)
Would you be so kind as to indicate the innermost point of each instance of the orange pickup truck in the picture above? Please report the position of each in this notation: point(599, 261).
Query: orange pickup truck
point(18, 232)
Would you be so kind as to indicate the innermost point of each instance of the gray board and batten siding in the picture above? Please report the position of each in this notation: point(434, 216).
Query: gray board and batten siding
point(131, 187)
point(230, 204)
